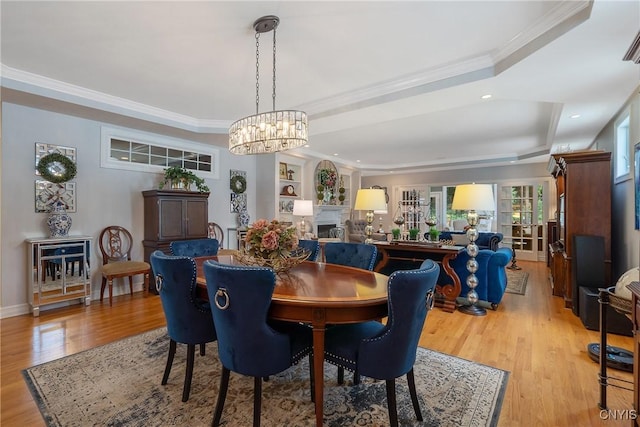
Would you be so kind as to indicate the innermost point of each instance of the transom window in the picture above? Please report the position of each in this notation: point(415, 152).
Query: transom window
point(132, 150)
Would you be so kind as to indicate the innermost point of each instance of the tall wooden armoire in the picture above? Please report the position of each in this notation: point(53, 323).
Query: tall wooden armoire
point(583, 184)
point(173, 215)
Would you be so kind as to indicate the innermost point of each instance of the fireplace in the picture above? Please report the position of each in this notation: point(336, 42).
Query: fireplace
point(327, 217)
point(323, 229)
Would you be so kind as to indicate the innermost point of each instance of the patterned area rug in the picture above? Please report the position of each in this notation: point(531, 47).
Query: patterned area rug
point(119, 385)
point(517, 281)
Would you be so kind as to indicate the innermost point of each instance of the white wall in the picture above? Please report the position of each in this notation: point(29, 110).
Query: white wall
point(104, 196)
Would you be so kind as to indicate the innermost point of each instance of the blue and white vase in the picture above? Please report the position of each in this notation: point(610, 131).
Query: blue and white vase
point(243, 219)
point(59, 221)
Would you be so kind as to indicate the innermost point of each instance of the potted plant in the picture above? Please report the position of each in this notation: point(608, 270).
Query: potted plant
point(396, 233)
point(341, 197)
point(178, 177)
point(413, 233)
point(320, 193)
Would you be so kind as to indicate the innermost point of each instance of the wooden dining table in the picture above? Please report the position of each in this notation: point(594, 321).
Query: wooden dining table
point(319, 294)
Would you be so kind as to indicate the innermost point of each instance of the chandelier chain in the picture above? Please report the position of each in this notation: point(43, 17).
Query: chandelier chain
point(257, 72)
point(274, 69)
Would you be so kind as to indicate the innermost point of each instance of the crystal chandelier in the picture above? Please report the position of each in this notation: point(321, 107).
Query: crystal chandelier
point(274, 130)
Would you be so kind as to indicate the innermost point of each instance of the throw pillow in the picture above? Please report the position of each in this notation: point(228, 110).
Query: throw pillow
point(460, 239)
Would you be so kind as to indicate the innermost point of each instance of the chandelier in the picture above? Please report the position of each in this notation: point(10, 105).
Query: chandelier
point(276, 130)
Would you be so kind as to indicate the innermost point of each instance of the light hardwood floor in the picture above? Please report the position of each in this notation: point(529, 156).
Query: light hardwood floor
point(543, 345)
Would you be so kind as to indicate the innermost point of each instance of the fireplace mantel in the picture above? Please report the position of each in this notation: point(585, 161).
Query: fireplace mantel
point(327, 215)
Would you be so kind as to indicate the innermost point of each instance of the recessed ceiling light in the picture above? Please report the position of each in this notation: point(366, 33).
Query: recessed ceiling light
point(335, 154)
point(487, 96)
point(575, 116)
point(307, 146)
point(358, 161)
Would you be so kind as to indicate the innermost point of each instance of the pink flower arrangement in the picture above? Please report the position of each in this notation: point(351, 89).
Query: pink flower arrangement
point(270, 240)
point(328, 177)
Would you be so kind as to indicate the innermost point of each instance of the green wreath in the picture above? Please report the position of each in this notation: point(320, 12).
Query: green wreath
point(63, 171)
point(238, 184)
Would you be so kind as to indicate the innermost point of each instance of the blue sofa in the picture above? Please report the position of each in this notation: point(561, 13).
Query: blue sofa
point(486, 240)
point(491, 274)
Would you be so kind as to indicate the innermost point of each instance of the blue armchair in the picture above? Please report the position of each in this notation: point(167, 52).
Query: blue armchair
point(387, 352)
point(358, 255)
point(491, 274)
point(247, 344)
point(189, 320)
point(195, 247)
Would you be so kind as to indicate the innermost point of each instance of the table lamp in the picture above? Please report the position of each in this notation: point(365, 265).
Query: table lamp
point(370, 200)
point(303, 208)
point(473, 198)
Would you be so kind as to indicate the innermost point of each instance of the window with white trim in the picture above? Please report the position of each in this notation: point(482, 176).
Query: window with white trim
point(622, 164)
point(133, 150)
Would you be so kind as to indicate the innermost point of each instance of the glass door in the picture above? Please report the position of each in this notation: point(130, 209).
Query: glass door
point(521, 219)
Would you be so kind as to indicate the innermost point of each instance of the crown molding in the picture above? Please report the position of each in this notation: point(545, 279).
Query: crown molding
point(551, 26)
point(49, 88)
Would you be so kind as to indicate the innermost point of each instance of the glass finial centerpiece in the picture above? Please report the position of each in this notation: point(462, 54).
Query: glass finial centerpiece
point(272, 244)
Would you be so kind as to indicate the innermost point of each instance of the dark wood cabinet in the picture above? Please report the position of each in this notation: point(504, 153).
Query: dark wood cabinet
point(583, 185)
point(171, 215)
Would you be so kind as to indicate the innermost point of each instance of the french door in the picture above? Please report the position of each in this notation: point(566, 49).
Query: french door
point(521, 219)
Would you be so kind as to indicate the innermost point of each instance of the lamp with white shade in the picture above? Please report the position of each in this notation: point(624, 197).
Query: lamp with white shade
point(370, 200)
point(303, 208)
point(473, 198)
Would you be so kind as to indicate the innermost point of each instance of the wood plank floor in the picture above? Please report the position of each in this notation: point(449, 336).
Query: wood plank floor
point(552, 382)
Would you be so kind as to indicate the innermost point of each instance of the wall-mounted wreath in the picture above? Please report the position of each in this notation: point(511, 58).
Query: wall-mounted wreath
point(56, 168)
point(238, 184)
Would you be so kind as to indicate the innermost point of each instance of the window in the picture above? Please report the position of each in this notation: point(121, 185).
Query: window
point(622, 150)
point(139, 151)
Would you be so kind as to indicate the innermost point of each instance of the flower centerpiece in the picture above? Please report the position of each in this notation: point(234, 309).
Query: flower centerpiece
point(272, 244)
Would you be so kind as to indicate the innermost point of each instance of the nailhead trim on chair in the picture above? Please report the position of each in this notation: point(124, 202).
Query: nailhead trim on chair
point(391, 310)
point(192, 284)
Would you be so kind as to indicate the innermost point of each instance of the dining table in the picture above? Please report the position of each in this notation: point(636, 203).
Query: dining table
point(319, 294)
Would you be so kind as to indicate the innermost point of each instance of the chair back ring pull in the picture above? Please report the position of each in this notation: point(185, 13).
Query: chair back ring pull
point(430, 300)
point(159, 280)
point(222, 292)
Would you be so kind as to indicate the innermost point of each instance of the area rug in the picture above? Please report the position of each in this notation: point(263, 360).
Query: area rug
point(119, 385)
point(517, 281)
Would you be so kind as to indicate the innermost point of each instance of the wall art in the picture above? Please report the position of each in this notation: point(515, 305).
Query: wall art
point(47, 193)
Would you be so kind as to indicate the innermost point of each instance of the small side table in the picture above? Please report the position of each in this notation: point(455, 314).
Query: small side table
point(52, 272)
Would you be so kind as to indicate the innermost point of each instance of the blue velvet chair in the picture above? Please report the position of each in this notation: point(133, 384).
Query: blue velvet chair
point(387, 352)
point(313, 246)
point(189, 319)
point(358, 255)
point(247, 344)
point(491, 274)
point(195, 247)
